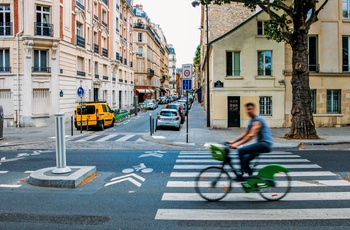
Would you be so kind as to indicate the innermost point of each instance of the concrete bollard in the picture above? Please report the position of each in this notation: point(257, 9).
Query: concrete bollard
point(61, 166)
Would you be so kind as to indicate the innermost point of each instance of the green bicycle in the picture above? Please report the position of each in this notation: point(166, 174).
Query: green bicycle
point(214, 183)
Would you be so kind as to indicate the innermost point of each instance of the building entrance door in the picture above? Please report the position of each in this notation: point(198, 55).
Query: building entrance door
point(233, 108)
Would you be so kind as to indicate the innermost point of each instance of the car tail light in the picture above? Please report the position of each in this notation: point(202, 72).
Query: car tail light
point(166, 106)
point(177, 118)
point(97, 115)
point(158, 117)
point(75, 115)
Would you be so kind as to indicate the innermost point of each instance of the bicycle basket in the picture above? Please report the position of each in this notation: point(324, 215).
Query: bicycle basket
point(218, 153)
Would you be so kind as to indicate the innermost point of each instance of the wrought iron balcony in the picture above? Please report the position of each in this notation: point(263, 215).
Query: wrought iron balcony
point(150, 72)
point(117, 57)
point(114, 79)
point(105, 2)
point(121, 80)
point(80, 41)
point(125, 61)
point(104, 52)
point(43, 29)
point(97, 76)
point(79, 4)
point(104, 24)
point(81, 73)
point(95, 17)
point(139, 25)
point(41, 69)
point(105, 77)
point(121, 59)
point(5, 69)
point(96, 48)
point(5, 28)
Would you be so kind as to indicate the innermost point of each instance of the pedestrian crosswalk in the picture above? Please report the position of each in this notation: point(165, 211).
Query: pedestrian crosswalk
point(108, 137)
point(315, 194)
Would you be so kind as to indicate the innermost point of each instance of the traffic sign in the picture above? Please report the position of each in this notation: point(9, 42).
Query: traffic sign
point(186, 71)
point(80, 91)
point(186, 84)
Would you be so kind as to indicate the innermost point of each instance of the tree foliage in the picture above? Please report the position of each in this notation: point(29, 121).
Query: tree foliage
point(197, 56)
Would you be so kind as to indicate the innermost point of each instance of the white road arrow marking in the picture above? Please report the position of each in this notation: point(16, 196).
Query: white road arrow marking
point(116, 180)
point(3, 159)
point(151, 154)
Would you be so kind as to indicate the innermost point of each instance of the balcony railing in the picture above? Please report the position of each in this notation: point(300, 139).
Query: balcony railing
point(96, 48)
point(114, 79)
point(121, 80)
point(104, 24)
point(5, 69)
point(79, 4)
point(43, 29)
point(120, 59)
point(125, 61)
point(105, 77)
point(117, 30)
point(97, 76)
point(150, 72)
point(140, 26)
point(105, 2)
point(81, 73)
point(80, 41)
point(104, 52)
point(117, 6)
point(95, 17)
point(41, 69)
point(5, 28)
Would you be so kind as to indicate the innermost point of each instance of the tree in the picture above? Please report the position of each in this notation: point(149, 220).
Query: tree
point(197, 56)
point(290, 22)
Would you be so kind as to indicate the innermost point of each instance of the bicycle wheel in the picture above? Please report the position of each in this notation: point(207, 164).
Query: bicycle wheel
point(281, 187)
point(213, 183)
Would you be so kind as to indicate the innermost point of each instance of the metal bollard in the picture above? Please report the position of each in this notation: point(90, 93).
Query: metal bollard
point(87, 125)
point(150, 124)
point(71, 125)
point(155, 124)
point(61, 166)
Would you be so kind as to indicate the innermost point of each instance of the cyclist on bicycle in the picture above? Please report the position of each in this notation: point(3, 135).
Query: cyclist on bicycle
point(258, 128)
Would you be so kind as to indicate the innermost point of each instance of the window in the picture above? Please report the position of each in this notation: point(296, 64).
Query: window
point(265, 104)
point(264, 63)
point(117, 25)
point(41, 61)
point(43, 26)
point(140, 51)
point(41, 102)
point(313, 59)
point(346, 8)
point(139, 37)
point(346, 57)
point(140, 66)
point(104, 18)
point(313, 100)
point(5, 20)
point(80, 4)
point(261, 27)
point(80, 35)
point(5, 60)
point(333, 101)
point(233, 64)
point(80, 66)
point(6, 101)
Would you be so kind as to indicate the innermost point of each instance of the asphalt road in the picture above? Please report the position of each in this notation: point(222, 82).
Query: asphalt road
point(138, 200)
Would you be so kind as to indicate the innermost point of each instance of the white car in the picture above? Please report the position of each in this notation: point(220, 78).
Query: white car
point(169, 118)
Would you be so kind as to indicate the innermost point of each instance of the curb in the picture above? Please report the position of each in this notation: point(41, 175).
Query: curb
point(45, 178)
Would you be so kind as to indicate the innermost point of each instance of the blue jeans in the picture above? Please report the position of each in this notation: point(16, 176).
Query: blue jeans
point(249, 152)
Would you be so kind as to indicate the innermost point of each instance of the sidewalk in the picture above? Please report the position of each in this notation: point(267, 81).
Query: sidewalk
point(199, 134)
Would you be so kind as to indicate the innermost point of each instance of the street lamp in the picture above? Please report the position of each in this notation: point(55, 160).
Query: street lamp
point(195, 4)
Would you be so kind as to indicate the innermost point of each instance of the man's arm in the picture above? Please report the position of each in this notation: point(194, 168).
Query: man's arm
point(256, 126)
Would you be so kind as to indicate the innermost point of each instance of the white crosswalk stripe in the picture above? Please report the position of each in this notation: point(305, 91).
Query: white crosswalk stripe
point(310, 183)
point(108, 138)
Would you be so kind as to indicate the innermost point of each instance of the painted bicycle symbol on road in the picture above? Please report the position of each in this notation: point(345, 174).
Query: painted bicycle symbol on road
point(141, 167)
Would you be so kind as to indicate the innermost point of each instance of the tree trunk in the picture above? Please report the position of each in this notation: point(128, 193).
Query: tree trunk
point(303, 126)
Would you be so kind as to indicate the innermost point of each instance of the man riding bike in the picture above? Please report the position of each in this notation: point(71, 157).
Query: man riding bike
point(258, 128)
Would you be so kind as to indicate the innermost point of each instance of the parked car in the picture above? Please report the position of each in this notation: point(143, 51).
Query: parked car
point(164, 100)
point(182, 100)
point(179, 108)
point(169, 118)
point(150, 104)
point(184, 106)
point(93, 114)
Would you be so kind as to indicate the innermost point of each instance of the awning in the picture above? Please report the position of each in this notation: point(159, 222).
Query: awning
point(142, 90)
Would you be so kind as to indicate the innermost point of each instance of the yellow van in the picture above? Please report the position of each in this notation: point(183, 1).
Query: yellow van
point(93, 114)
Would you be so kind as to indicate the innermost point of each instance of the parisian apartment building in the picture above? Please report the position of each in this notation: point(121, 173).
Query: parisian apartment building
point(244, 66)
point(151, 59)
point(51, 48)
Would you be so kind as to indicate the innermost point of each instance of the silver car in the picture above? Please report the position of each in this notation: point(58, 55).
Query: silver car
point(150, 104)
point(169, 118)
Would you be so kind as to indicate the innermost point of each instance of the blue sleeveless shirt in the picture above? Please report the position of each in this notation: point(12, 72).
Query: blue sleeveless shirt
point(264, 134)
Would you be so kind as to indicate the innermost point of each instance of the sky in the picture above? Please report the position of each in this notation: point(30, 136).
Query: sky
point(179, 22)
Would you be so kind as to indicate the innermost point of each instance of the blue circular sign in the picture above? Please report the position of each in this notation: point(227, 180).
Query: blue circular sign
point(80, 91)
